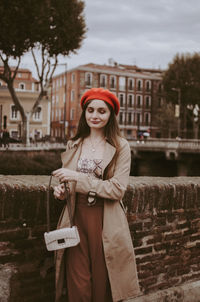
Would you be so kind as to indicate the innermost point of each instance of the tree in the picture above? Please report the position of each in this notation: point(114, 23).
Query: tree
point(165, 119)
point(50, 27)
point(183, 74)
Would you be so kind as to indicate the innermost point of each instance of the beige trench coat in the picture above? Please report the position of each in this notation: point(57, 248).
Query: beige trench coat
point(117, 243)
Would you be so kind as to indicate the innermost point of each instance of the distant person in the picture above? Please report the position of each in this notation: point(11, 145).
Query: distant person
point(31, 138)
point(101, 268)
point(146, 135)
point(5, 138)
point(1, 138)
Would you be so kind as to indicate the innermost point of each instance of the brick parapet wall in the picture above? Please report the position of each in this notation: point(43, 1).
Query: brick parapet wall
point(164, 219)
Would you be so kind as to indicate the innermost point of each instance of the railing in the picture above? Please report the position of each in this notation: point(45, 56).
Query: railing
point(149, 144)
point(180, 145)
point(34, 147)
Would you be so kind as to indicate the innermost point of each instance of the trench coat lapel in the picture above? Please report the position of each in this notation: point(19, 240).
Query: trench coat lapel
point(70, 156)
point(109, 153)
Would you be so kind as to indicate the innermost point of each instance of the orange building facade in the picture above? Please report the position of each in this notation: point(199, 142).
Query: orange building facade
point(138, 90)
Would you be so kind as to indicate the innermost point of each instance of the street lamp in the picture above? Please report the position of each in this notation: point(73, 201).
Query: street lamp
point(178, 109)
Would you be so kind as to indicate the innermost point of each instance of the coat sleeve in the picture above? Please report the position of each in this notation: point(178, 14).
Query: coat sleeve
point(113, 188)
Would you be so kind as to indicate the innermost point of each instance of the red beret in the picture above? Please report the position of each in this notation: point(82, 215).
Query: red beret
point(101, 94)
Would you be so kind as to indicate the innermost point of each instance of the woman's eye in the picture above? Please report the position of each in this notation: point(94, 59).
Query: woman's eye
point(102, 111)
point(90, 110)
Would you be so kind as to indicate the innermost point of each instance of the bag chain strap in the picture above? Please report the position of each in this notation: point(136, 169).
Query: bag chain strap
point(68, 202)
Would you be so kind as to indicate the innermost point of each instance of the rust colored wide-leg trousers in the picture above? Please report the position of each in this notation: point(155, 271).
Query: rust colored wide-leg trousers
point(87, 276)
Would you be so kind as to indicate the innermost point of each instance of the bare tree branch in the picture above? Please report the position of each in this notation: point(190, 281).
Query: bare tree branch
point(35, 62)
point(16, 69)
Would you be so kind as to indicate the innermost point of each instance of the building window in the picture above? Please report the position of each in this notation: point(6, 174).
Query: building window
point(22, 86)
point(121, 99)
point(139, 119)
point(103, 80)
point(148, 85)
point(73, 77)
point(72, 111)
point(112, 82)
point(130, 84)
point(129, 132)
point(60, 113)
point(88, 79)
point(160, 87)
point(122, 83)
point(160, 102)
point(139, 85)
point(38, 114)
point(14, 133)
point(72, 95)
point(139, 101)
point(64, 100)
point(120, 118)
point(14, 113)
point(147, 102)
point(130, 100)
point(129, 118)
point(147, 119)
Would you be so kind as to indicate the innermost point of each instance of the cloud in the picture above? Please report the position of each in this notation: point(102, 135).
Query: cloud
point(146, 32)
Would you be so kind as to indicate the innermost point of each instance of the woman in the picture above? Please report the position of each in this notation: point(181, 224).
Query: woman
point(97, 165)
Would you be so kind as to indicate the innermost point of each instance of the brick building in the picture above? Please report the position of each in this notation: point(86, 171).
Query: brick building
point(27, 90)
point(139, 91)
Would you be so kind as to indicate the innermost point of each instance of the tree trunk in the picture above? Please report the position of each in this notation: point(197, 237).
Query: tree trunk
point(21, 110)
point(196, 129)
point(184, 122)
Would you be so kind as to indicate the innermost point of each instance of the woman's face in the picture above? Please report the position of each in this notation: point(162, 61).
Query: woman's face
point(97, 114)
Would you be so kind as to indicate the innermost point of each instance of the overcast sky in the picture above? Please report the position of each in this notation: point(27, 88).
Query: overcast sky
point(148, 33)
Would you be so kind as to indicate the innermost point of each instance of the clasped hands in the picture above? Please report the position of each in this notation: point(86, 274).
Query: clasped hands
point(64, 175)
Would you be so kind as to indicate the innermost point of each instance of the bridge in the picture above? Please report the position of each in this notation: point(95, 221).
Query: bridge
point(172, 148)
point(150, 144)
point(150, 157)
point(34, 147)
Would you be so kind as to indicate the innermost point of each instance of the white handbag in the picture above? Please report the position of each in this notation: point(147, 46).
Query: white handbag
point(61, 238)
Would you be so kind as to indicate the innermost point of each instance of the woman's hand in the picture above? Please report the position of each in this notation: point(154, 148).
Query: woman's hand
point(59, 192)
point(65, 175)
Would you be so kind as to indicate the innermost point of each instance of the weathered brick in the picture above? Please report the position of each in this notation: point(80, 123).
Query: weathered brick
point(145, 274)
point(162, 246)
point(148, 281)
point(14, 234)
point(156, 238)
point(144, 250)
point(164, 220)
point(160, 221)
point(135, 226)
point(173, 236)
point(183, 271)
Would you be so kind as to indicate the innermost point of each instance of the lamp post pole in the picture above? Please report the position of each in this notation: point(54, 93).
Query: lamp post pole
point(65, 102)
point(178, 111)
